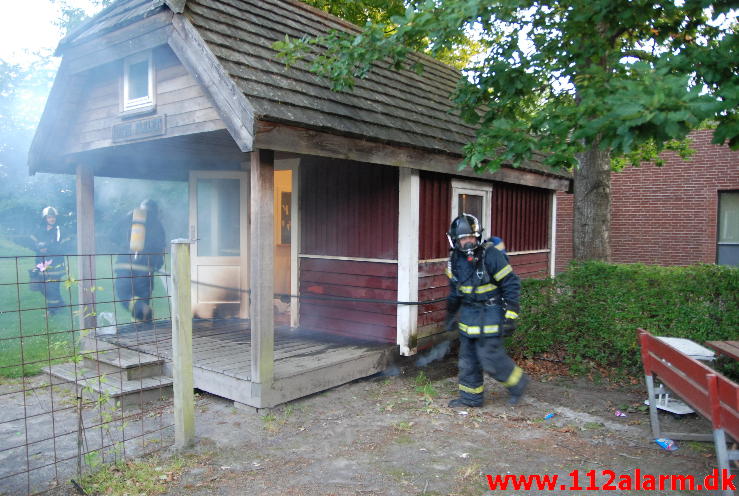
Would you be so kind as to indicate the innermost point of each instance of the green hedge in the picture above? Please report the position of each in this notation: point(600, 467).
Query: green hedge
point(589, 314)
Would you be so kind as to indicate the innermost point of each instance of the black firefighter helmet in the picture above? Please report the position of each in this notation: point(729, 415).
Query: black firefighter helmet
point(463, 226)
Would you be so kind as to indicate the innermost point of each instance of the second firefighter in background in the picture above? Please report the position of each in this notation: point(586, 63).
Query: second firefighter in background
point(142, 255)
point(483, 305)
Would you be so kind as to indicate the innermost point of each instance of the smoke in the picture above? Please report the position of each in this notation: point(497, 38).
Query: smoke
point(391, 371)
point(437, 352)
point(114, 198)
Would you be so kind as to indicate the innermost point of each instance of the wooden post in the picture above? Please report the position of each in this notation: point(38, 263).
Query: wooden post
point(184, 399)
point(85, 191)
point(262, 270)
point(408, 224)
point(295, 245)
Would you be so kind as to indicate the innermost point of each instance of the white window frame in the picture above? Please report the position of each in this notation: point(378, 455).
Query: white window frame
point(474, 188)
point(144, 103)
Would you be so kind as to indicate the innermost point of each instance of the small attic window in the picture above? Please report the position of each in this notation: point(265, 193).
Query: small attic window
point(138, 83)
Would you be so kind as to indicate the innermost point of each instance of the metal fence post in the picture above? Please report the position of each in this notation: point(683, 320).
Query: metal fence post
point(184, 399)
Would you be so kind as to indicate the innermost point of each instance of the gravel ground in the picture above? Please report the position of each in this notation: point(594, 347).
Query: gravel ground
point(390, 435)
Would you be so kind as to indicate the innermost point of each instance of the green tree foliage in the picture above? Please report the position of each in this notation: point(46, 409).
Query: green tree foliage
point(360, 12)
point(384, 12)
point(589, 84)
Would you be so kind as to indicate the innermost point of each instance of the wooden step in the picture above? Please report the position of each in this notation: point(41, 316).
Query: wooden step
point(135, 364)
point(114, 386)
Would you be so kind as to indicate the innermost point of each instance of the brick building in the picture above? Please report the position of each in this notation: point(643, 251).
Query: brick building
point(683, 213)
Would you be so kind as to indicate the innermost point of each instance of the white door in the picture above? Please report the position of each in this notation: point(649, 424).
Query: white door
point(219, 224)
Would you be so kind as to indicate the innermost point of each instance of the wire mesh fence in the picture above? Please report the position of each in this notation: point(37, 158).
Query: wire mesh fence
point(74, 394)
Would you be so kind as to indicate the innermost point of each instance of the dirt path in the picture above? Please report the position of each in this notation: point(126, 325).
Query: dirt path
point(383, 436)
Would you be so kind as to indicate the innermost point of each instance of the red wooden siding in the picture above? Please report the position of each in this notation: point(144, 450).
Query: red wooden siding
point(521, 216)
point(435, 212)
point(531, 265)
point(432, 284)
point(369, 321)
point(348, 209)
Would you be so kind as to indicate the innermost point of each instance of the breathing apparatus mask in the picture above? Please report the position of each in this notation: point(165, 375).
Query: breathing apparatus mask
point(465, 226)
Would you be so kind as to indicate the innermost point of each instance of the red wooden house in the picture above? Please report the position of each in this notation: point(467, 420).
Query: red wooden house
point(294, 189)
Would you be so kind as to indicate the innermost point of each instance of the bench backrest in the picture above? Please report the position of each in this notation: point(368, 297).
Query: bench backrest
point(728, 394)
point(706, 390)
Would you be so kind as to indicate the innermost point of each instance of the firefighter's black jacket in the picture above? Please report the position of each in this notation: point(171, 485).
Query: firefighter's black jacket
point(482, 290)
point(151, 258)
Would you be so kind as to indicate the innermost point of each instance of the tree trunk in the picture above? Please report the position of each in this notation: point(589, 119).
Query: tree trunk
point(592, 199)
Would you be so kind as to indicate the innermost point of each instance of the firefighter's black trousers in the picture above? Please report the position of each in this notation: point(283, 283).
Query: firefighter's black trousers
point(485, 354)
point(134, 288)
point(48, 283)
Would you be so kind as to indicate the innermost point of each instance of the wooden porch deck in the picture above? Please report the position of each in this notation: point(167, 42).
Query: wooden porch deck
point(305, 362)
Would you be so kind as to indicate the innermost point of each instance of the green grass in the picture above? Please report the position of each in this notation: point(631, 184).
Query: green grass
point(30, 337)
point(150, 476)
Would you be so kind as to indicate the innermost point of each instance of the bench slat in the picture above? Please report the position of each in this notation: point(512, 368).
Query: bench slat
point(728, 393)
point(688, 389)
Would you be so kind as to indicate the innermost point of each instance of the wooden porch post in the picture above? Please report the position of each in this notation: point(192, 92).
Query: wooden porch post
point(408, 220)
point(184, 399)
point(85, 182)
point(261, 272)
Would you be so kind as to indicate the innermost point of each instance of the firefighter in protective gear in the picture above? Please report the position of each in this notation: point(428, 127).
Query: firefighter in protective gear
point(142, 254)
point(50, 268)
point(482, 304)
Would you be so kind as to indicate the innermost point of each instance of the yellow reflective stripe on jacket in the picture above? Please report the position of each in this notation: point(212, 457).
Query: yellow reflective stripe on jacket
point(510, 314)
point(477, 390)
point(485, 288)
point(514, 378)
point(448, 273)
point(503, 272)
point(475, 330)
point(469, 329)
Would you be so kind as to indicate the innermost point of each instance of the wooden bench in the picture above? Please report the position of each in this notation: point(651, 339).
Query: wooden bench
point(704, 389)
point(726, 348)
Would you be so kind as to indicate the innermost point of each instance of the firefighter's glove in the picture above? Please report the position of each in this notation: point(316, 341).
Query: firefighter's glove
point(510, 323)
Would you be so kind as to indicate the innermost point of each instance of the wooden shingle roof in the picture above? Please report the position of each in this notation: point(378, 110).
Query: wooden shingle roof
point(400, 107)
point(115, 16)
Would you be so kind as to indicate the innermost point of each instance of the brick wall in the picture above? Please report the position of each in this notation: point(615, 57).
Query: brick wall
point(663, 215)
point(563, 245)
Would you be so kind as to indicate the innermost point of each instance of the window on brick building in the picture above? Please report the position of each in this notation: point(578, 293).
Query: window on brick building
point(727, 251)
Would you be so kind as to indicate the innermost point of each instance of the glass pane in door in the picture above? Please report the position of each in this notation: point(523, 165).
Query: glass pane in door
point(470, 204)
point(218, 217)
point(728, 228)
